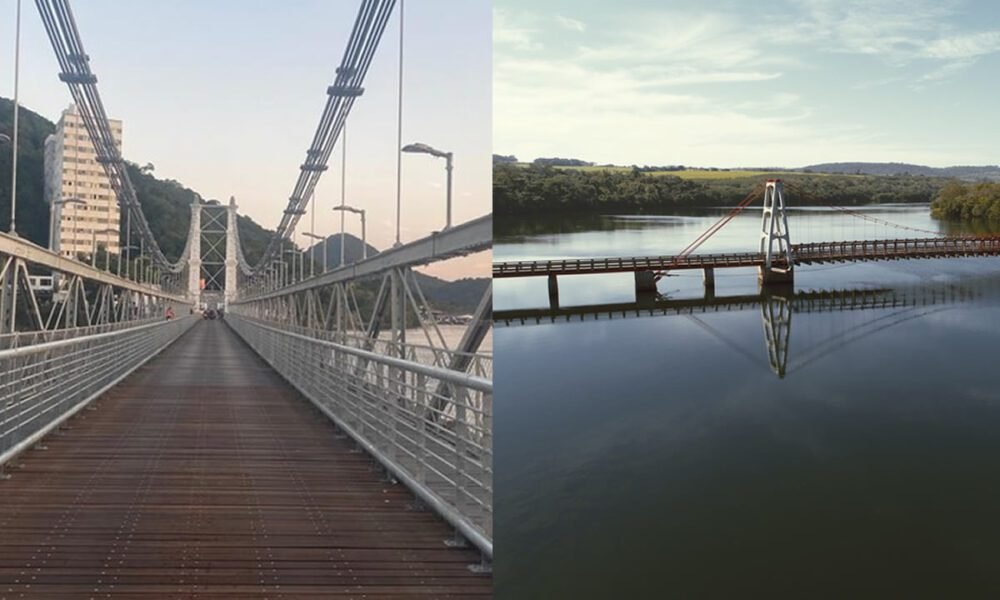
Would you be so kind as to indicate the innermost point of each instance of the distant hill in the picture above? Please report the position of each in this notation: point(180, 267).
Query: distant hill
point(165, 202)
point(983, 173)
point(458, 297)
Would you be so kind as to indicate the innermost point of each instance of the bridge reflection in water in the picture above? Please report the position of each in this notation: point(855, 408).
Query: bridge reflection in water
point(777, 305)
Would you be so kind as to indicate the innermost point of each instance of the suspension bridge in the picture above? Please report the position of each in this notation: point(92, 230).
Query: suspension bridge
point(775, 259)
point(307, 445)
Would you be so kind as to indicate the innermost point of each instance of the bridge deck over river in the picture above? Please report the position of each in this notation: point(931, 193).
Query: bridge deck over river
point(802, 254)
point(204, 473)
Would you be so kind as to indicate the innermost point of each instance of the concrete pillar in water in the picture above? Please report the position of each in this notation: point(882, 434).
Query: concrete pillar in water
point(709, 279)
point(769, 277)
point(553, 292)
point(645, 282)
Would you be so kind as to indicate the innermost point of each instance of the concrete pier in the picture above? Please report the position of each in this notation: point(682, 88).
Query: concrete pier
point(645, 282)
point(709, 281)
point(553, 291)
point(773, 276)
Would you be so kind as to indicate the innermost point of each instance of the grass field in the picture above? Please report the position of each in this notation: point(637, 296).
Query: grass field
point(685, 174)
point(694, 174)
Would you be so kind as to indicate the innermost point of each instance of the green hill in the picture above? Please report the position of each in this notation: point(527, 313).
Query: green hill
point(167, 206)
point(457, 297)
point(165, 202)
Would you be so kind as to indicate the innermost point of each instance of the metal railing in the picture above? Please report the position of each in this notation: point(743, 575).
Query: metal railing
point(44, 384)
point(480, 363)
point(430, 427)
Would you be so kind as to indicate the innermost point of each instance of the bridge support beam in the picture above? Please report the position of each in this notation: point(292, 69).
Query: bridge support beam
point(553, 292)
point(645, 282)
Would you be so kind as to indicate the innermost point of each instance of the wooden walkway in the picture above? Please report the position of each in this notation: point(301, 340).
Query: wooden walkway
point(204, 475)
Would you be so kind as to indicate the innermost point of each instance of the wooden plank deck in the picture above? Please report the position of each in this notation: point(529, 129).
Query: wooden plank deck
point(204, 475)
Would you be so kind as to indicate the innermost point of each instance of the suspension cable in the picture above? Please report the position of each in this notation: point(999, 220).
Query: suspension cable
point(854, 213)
point(368, 28)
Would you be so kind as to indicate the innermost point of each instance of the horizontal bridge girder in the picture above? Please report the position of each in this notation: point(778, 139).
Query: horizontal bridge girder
point(472, 236)
point(21, 248)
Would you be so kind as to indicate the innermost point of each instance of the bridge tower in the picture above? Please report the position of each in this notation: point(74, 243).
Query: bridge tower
point(194, 254)
point(774, 243)
point(212, 258)
point(231, 261)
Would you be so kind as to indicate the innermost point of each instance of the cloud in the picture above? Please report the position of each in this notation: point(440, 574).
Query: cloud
point(669, 86)
point(507, 35)
point(571, 24)
point(964, 46)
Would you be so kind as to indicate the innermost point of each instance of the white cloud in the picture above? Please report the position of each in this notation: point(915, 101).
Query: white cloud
point(964, 46)
point(641, 90)
point(508, 35)
point(571, 24)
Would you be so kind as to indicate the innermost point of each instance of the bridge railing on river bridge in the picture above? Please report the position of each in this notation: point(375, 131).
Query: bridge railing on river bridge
point(430, 427)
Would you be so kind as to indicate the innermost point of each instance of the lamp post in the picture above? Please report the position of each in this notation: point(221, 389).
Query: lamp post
point(93, 245)
point(13, 145)
point(128, 258)
point(312, 262)
point(140, 269)
point(53, 229)
point(419, 148)
point(291, 271)
point(357, 211)
point(278, 273)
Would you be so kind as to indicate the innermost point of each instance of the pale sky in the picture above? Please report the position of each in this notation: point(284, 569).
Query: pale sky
point(736, 83)
point(224, 96)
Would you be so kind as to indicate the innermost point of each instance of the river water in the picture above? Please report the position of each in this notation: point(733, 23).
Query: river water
point(769, 449)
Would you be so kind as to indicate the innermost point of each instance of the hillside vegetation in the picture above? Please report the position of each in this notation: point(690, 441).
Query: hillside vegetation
point(167, 206)
point(528, 189)
point(165, 202)
point(968, 202)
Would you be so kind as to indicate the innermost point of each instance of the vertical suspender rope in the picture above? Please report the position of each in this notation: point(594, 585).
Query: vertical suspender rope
point(13, 141)
point(399, 130)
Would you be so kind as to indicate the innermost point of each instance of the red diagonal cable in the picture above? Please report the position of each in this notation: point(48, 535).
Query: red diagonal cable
point(708, 233)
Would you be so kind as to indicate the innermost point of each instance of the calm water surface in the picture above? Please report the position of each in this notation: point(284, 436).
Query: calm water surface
point(684, 456)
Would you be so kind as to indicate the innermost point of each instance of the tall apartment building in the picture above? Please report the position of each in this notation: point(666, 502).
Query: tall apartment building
point(72, 172)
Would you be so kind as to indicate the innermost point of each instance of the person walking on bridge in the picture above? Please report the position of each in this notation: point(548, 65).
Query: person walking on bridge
point(170, 312)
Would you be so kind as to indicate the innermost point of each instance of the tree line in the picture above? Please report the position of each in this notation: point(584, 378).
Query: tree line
point(528, 189)
point(968, 202)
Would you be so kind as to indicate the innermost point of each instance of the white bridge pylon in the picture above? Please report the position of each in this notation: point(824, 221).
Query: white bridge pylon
point(213, 234)
point(775, 245)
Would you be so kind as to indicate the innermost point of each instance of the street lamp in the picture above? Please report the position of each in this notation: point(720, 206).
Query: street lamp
point(291, 274)
point(93, 245)
point(13, 145)
point(128, 259)
point(419, 148)
point(140, 270)
point(53, 229)
point(312, 255)
point(278, 275)
point(357, 211)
